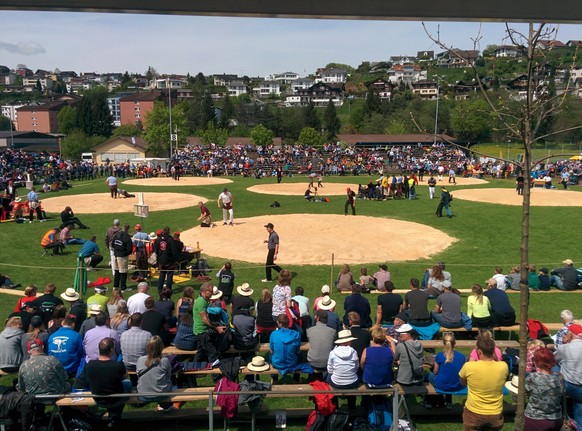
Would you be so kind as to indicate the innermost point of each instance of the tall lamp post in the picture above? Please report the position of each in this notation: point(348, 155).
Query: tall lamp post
point(172, 136)
point(436, 115)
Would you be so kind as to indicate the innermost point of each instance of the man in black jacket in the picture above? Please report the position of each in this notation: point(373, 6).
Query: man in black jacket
point(166, 250)
point(122, 247)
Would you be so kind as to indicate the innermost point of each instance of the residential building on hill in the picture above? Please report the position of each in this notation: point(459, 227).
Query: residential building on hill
point(319, 93)
point(43, 118)
point(268, 88)
point(334, 75)
point(425, 88)
point(382, 87)
point(134, 107)
point(283, 78)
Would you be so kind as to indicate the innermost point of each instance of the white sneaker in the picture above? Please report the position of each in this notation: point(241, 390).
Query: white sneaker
point(264, 280)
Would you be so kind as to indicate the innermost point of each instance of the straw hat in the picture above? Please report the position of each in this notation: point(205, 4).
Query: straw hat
point(512, 385)
point(95, 309)
point(344, 336)
point(70, 295)
point(258, 364)
point(215, 293)
point(244, 290)
point(152, 235)
point(326, 303)
point(18, 199)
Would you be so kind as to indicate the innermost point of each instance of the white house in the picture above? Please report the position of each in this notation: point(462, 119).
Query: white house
point(301, 84)
point(45, 82)
point(332, 76)
point(268, 88)
point(163, 83)
point(283, 78)
point(236, 88)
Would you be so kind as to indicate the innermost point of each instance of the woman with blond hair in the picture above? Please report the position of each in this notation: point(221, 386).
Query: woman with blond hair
point(120, 320)
point(377, 359)
point(154, 374)
point(116, 296)
point(435, 282)
point(485, 333)
point(479, 308)
point(11, 352)
point(344, 279)
point(447, 364)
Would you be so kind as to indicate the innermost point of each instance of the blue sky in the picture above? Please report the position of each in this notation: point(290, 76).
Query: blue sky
point(90, 42)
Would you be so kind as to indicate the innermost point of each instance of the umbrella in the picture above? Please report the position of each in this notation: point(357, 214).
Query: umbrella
point(576, 158)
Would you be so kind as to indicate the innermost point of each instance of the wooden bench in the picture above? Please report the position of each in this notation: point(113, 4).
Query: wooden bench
point(261, 347)
point(538, 182)
point(468, 291)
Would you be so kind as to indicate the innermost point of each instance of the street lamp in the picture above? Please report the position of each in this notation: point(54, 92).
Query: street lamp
point(436, 115)
point(172, 136)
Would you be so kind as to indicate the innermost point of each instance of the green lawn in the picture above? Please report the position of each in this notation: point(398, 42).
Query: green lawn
point(488, 234)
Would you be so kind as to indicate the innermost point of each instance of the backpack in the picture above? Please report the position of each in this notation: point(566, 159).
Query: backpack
point(379, 413)
point(315, 421)
point(275, 204)
point(200, 268)
point(537, 329)
point(337, 421)
point(323, 402)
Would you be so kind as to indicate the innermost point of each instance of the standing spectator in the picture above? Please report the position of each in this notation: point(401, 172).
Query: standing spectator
point(122, 248)
point(416, 305)
point(134, 340)
point(226, 281)
point(321, 341)
point(108, 376)
point(356, 302)
point(382, 277)
point(282, 294)
point(141, 241)
point(444, 203)
point(225, 202)
point(272, 252)
point(377, 360)
point(67, 346)
point(34, 205)
point(568, 358)
point(447, 365)
point(165, 248)
point(154, 374)
point(447, 311)
point(389, 305)
point(409, 355)
point(479, 308)
point(565, 278)
point(108, 242)
point(485, 379)
point(567, 318)
point(343, 364)
point(11, 353)
point(502, 312)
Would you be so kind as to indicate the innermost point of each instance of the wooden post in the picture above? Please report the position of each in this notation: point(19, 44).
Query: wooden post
point(331, 274)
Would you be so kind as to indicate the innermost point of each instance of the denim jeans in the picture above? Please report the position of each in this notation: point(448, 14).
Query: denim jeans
point(438, 317)
point(575, 392)
point(448, 210)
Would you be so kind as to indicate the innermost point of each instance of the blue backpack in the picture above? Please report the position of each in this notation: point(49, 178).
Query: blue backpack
point(380, 413)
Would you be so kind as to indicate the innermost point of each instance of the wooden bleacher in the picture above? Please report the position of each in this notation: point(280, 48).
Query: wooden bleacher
point(468, 291)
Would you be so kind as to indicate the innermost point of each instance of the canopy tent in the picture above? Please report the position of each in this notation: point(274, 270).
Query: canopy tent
point(576, 158)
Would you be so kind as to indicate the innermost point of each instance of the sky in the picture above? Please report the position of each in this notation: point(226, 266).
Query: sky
point(99, 42)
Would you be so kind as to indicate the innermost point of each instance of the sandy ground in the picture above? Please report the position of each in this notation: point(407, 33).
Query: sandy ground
point(101, 203)
point(184, 181)
point(311, 239)
point(539, 197)
point(335, 189)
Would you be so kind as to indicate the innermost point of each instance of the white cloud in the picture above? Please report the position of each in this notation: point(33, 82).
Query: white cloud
point(22, 48)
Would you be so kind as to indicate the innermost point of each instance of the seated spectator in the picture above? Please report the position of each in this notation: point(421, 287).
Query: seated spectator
point(284, 345)
point(389, 305)
point(51, 241)
point(42, 374)
point(485, 333)
point(120, 320)
point(532, 347)
point(113, 302)
point(35, 331)
point(134, 341)
point(382, 276)
point(502, 312)
point(376, 360)
point(154, 322)
point(343, 364)
point(242, 303)
point(78, 307)
point(154, 374)
point(185, 302)
point(67, 238)
point(447, 364)
point(435, 282)
point(29, 295)
point(25, 316)
point(416, 305)
point(333, 320)
point(500, 278)
point(567, 318)
point(344, 279)
point(565, 278)
point(211, 337)
point(568, 358)
point(166, 307)
point(515, 278)
point(108, 376)
point(391, 332)
point(11, 353)
point(321, 341)
point(366, 281)
point(264, 322)
point(99, 298)
point(325, 291)
point(362, 336)
point(545, 281)
point(46, 303)
point(479, 308)
point(185, 339)
point(68, 218)
point(533, 281)
point(245, 336)
point(303, 302)
point(59, 314)
point(136, 303)
point(90, 322)
point(409, 355)
point(357, 303)
point(447, 311)
point(94, 336)
point(67, 346)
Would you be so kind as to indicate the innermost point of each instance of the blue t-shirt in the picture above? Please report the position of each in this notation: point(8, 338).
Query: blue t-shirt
point(448, 378)
point(88, 249)
point(67, 346)
point(378, 366)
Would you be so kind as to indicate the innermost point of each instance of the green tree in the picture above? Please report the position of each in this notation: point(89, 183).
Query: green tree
point(128, 130)
point(214, 135)
point(471, 120)
point(208, 111)
point(373, 102)
point(309, 136)
point(94, 117)
point(228, 112)
point(157, 128)
point(5, 123)
point(332, 122)
point(310, 118)
point(67, 119)
point(78, 142)
point(396, 127)
point(262, 136)
point(38, 86)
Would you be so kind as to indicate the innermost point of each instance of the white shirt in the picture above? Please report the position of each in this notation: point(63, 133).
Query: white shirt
point(225, 197)
point(500, 279)
point(136, 303)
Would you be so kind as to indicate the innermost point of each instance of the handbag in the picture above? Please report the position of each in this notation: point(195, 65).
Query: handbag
point(153, 259)
point(417, 373)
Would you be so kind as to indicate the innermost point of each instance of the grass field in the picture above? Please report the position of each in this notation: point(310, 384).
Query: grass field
point(488, 234)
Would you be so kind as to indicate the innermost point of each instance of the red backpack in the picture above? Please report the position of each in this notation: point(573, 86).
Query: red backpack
point(323, 402)
point(537, 329)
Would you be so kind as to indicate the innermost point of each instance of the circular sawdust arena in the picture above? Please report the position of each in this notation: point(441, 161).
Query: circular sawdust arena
point(539, 197)
point(101, 203)
point(337, 189)
point(309, 239)
point(184, 181)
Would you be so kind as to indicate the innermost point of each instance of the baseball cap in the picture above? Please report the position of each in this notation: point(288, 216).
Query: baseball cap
point(269, 225)
point(325, 289)
point(177, 233)
point(568, 262)
point(575, 329)
point(159, 232)
point(34, 344)
point(404, 328)
point(137, 227)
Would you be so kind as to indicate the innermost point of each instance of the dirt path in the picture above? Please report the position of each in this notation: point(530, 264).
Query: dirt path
point(539, 197)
